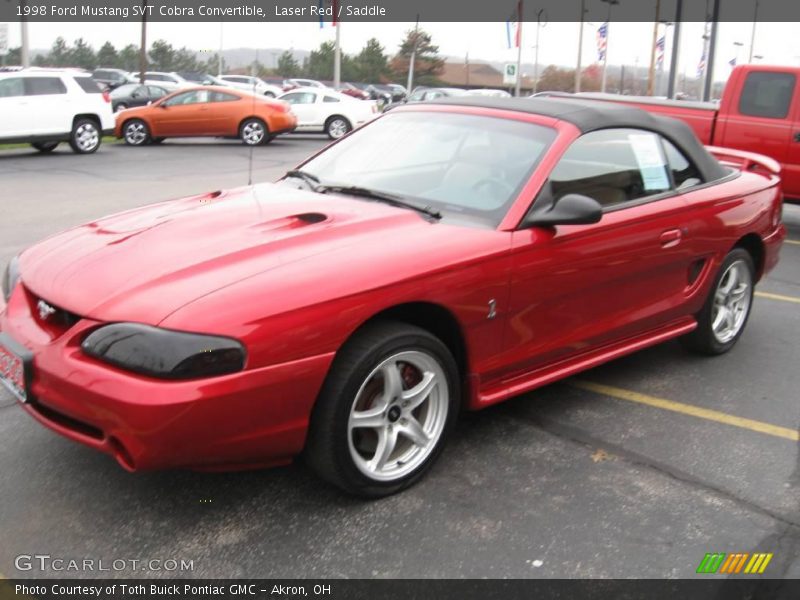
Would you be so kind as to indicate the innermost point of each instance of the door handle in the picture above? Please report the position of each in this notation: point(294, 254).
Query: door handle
point(670, 238)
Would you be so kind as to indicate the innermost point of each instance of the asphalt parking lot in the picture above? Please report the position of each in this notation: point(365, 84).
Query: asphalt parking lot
point(634, 469)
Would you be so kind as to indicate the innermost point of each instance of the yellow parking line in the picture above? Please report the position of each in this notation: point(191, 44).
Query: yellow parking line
point(795, 242)
point(781, 297)
point(688, 409)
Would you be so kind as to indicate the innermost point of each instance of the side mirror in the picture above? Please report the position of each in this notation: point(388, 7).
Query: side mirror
point(135, 95)
point(572, 209)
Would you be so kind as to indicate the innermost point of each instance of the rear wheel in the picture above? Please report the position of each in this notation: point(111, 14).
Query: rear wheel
point(45, 147)
point(136, 132)
point(337, 127)
point(85, 136)
point(722, 320)
point(385, 411)
point(253, 132)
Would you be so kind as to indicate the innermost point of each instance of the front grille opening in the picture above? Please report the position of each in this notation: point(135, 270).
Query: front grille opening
point(68, 422)
point(53, 315)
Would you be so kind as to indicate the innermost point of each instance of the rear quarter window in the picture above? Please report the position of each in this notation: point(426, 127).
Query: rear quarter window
point(88, 85)
point(767, 95)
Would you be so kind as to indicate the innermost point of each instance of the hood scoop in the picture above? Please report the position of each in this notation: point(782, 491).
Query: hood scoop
point(291, 222)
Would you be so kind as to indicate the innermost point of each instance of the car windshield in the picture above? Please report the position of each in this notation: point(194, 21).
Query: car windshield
point(459, 165)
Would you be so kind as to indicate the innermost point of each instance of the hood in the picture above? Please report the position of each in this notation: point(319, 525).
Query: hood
point(144, 264)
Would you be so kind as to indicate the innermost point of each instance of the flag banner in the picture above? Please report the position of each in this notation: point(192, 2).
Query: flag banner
point(602, 42)
point(660, 46)
point(701, 66)
point(371, 11)
point(514, 27)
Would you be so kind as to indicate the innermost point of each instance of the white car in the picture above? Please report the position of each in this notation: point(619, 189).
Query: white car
point(252, 85)
point(322, 109)
point(488, 93)
point(307, 83)
point(168, 81)
point(44, 107)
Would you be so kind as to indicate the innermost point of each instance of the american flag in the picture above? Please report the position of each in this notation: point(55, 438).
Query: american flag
point(602, 41)
point(660, 45)
point(513, 24)
point(701, 66)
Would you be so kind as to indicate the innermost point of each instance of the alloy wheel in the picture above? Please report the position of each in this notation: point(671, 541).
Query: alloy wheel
point(398, 415)
point(253, 133)
point(731, 302)
point(135, 133)
point(87, 137)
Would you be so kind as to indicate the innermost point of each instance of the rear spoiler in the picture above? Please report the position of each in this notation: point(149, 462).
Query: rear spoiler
point(746, 161)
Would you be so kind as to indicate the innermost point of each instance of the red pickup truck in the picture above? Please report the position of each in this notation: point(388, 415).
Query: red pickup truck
point(759, 112)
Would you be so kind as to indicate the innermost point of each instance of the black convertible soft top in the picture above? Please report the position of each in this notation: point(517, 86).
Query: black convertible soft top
point(588, 115)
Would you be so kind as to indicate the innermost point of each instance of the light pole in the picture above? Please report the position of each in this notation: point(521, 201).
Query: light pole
point(608, 39)
point(413, 56)
point(580, 49)
point(651, 74)
point(539, 25)
point(753, 33)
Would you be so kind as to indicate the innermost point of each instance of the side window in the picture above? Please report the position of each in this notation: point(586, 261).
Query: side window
point(223, 97)
point(193, 97)
point(613, 166)
point(41, 86)
point(767, 95)
point(14, 86)
point(300, 98)
point(684, 173)
point(329, 99)
point(156, 92)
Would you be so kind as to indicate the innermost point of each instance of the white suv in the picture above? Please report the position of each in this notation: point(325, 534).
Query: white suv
point(44, 107)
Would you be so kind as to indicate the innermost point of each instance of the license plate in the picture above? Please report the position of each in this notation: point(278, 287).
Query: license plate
point(14, 368)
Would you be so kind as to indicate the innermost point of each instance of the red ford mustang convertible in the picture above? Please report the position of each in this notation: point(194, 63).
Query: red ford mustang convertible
point(445, 256)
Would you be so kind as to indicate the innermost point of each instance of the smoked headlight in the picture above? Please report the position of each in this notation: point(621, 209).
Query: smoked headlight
point(10, 278)
point(164, 353)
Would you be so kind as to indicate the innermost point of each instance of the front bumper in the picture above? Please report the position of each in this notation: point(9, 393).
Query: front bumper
point(254, 418)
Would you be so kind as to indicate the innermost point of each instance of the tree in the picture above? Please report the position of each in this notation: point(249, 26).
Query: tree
point(371, 64)
point(162, 56)
point(59, 53)
point(428, 64)
point(213, 64)
point(128, 58)
point(186, 60)
point(557, 79)
point(320, 62)
point(15, 56)
point(82, 55)
point(107, 56)
point(287, 65)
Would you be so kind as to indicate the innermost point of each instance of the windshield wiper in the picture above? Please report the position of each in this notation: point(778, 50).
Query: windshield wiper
point(385, 197)
point(311, 180)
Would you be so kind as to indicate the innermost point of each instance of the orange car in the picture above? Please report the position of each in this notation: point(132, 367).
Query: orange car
point(206, 111)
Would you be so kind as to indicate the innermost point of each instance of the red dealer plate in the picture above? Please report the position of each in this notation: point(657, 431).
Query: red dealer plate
point(13, 374)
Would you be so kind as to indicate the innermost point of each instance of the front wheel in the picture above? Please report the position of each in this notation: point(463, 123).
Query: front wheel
point(385, 410)
point(85, 136)
point(136, 132)
point(723, 317)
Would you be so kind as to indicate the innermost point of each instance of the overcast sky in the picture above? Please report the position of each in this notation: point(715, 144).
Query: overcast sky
point(778, 43)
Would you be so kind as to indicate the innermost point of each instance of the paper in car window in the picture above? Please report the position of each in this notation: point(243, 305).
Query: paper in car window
point(651, 164)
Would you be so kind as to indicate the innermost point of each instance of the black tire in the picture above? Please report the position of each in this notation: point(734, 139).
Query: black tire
point(45, 147)
point(704, 339)
point(85, 136)
point(337, 127)
point(136, 133)
point(254, 132)
point(329, 445)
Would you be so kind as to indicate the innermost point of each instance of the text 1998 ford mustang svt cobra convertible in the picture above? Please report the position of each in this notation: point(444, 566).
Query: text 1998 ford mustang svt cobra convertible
point(350, 311)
